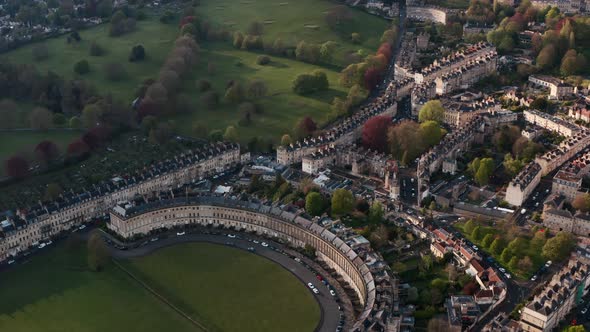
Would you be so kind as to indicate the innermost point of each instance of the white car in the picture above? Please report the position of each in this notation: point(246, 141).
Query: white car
point(315, 290)
point(475, 248)
point(10, 262)
point(49, 243)
point(584, 311)
point(502, 269)
point(154, 239)
point(534, 278)
point(310, 285)
point(332, 292)
point(508, 275)
point(264, 244)
point(548, 264)
point(42, 245)
point(297, 259)
point(231, 236)
point(82, 227)
point(180, 233)
point(256, 241)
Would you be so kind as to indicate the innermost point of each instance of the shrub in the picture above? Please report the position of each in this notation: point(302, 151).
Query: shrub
point(203, 85)
point(263, 60)
point(137, 53)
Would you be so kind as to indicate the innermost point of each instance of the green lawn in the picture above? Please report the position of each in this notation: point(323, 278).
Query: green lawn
point(157, 39)
point(281, 108)
point(228, 289)
point(24, 142)
point(54, 293)
point(293, 21)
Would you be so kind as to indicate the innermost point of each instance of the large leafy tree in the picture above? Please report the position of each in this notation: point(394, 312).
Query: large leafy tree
point(342, 202)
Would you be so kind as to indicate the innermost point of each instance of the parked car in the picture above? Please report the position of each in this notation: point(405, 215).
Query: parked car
point(180, 233)
point(231, 236)
point(548, 264)
point(332, 292)
point(534, 278)
point(264, 244)
point(310, 285)
point(315, 290)
point(502, 269)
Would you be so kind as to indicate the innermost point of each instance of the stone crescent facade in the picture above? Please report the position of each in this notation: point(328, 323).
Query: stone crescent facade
point(259, 218)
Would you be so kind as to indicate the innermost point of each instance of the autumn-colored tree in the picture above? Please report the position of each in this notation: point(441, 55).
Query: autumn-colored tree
point(46, 151)
point(374, 134)
point(582, 202)
point(305, 127)
point(77, 148)
point(372, 78)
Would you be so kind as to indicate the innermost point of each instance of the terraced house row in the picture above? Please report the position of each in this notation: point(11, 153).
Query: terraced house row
point(25, 226)
point(347, 253)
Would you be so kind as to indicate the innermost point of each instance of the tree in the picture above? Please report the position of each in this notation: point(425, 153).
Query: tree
point(82, 67)
point(374, 134)
point(376, 213)
point(16, 167)
point(203, 85)
point(372, 78)
point(512, 166)
point(485, 171)
point(210, 99)
point(431, 111)
point(305, 127)
point(77, 149)
point(342, 202)
point(234, 93)
point(431, 133)
point(286, 140)
point(238, 39)
point(40, 118)
point(46, 151)
point(40, 52)
point(390, 36)
point(98, 253)
point(137, 53)
point(263, 60)
point(513, 263)
point(91, 116)
point(582, 202)
point(496, 246)
point(327, 51)
point(538, 240)
point(558, 247)
point(469, 226)
point(255, 28)
point(547, 57)
point(476, 234)
point(52, 192)
point(256, 89)
point(506, 255)
point(355, 37)
point(308, 83)
point(487, 240)
point(412, 295)
point(314, 203)
point(231, 134)
point(525, 264)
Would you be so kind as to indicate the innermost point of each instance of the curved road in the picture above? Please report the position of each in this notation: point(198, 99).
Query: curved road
point(330, 313)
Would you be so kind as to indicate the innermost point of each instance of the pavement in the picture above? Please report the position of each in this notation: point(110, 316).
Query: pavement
point(330, 309)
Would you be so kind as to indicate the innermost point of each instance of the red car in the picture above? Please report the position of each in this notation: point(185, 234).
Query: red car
point(319, 277)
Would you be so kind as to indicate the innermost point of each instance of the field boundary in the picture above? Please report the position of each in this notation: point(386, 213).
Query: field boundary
point(161, 297)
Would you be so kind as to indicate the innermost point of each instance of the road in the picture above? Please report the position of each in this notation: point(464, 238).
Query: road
point(330, 313)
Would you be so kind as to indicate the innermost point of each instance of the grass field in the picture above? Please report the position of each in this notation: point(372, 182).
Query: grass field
point(157, 39)
point(281, 108)
point(293, 21)
point(24, 142)
point(290, 21)
point(228, 289)
point(231, 289)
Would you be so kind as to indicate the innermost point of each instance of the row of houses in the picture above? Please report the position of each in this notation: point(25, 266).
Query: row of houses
point(359, 268)
point(26, 226)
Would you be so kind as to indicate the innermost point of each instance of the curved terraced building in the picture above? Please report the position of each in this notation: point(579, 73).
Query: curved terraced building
point(366, 275)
